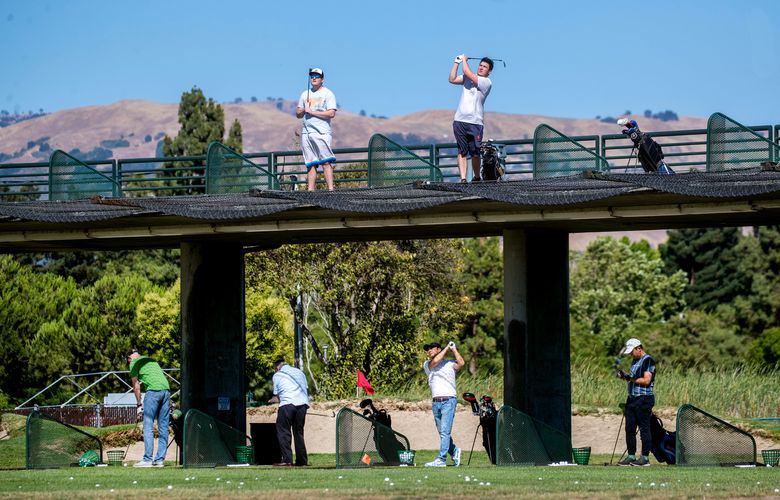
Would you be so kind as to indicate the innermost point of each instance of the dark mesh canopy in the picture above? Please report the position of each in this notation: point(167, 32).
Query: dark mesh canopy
point(556, 154)
point(390, 164)
point(523, 440)
point(703, 439)
point(230, 172)
point(358, 436)
point(72, 179)
point(52, 443)
point(209, 442)
point(732, 145)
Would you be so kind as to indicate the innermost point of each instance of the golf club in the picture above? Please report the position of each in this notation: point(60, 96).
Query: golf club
point(332, 414)
point(494, 60)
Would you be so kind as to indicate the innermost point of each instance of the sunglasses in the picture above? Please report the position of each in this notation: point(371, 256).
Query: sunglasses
point(314, 75)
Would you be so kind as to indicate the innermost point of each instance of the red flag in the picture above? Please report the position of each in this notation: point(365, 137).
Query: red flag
point(363, 382)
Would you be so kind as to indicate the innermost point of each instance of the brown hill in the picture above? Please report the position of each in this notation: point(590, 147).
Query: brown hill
point(132, 129)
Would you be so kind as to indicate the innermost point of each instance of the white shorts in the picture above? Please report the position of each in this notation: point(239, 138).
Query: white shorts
point(316, 149)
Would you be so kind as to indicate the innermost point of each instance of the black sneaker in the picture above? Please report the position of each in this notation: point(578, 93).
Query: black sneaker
point(641, 462)
point(476, 179)
point(626, 461)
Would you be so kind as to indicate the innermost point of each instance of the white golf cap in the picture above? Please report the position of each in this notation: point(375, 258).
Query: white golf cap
point(317, 71)
point(630, 345)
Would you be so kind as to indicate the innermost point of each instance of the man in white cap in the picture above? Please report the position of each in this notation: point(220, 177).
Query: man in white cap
point(317, 107)
point(640, 402)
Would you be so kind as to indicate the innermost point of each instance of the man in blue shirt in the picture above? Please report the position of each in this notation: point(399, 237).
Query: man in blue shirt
point(291, 391)
point(640, 402)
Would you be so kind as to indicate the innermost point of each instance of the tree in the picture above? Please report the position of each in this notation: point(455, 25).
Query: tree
point(618, 289)
point(710, 259)
point(482, 279)
point(235, 139)
point(765, 350)
point(202, 121)
point(373, 303)
point(759, 307)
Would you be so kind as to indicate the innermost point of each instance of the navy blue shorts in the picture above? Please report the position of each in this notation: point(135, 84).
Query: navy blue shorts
point(468, 136)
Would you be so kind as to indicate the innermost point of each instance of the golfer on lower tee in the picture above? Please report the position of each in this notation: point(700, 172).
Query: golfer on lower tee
point(441, 379)
point(317, 107)
point(156, 404)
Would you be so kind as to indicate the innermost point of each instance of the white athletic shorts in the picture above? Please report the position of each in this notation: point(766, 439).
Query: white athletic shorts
point(316, 149)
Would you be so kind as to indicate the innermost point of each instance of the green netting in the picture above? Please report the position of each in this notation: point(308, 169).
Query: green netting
point(72, 179)
point(732, 145)
point(703, 439)
point(51, 443)
point(208, 442)
point(523, 440)
point(390, 164)
point(230, 172)
point(557, 155)
point(357, 436)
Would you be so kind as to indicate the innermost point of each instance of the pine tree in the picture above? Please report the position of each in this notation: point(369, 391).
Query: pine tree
point(235, 138)
point(202, 121)
point(709, 258)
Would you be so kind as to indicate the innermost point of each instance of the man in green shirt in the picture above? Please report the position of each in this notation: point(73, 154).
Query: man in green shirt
point(156, 404)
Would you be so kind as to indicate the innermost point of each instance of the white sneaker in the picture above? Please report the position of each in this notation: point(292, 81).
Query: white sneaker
point(158, 463)
point(437, 463)
point(456, 457)
point(143, 463)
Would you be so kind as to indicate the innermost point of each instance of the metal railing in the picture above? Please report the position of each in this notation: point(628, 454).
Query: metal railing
point(685, 150)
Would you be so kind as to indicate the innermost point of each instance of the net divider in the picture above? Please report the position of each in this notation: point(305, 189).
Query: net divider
point(216, 146)
point(42, 416)
point(373, 425)
point(76, 163)
point(434, 172)
point(601, 163)
point(227, 448)
point(772, 148)
point(679, 433)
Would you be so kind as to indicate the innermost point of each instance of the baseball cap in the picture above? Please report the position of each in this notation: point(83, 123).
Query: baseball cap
point(432, 344)
point(630, 345)
point(317, 71)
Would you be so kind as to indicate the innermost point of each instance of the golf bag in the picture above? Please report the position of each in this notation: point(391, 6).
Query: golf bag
point(493, 160)
point(485, 409)
point(387, 444)
point(649, 152)
point(664, 442)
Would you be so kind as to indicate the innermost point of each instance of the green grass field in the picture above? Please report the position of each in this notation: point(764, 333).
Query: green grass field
point(324, 481)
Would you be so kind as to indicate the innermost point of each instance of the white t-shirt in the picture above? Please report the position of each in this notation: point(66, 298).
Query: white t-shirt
point(291, 386)
point(471, 107)
point(322, 100)
point(442, 378)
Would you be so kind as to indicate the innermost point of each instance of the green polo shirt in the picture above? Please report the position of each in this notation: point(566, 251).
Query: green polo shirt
point(149, 373)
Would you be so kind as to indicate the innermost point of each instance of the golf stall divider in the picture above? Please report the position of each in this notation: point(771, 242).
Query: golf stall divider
point(52, 443)
point(209, 443)
point(358, 436)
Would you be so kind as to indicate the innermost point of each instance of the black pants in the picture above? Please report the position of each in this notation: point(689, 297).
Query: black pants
point(639, 409)
point(292, 417)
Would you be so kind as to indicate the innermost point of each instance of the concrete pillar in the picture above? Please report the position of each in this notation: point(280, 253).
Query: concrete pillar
point(537, 369)
point(213, 339)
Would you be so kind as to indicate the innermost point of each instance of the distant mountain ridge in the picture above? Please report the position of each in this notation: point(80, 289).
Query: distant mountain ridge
point(133, 128)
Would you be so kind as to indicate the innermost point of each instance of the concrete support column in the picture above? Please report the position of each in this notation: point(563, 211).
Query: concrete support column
point(537, 369)
point(213, 339)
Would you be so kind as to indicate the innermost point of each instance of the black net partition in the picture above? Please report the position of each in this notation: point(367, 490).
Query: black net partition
point(51, 443)
point(390, 164)
point(208, 442)
point(732, 145)
point(362, 442)
point(556, 154)
point(703, 439)
point(523, 440)
point(230, 172)
point(72, 179)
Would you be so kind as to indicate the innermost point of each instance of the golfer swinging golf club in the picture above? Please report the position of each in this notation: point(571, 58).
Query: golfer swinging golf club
point(317, 107)
point(441, 379)
point(468, 124)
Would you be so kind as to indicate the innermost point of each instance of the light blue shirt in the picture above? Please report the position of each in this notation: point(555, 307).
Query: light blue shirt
point(291, 387)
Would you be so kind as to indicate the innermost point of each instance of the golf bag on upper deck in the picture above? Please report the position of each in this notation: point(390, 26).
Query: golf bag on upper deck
point(649, 152)
point(493, 160)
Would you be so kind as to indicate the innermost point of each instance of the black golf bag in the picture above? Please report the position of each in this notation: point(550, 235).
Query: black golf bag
point(485, 409)
point(387, 444)
point(493, 160)
point(664, 442)
point(649, 152)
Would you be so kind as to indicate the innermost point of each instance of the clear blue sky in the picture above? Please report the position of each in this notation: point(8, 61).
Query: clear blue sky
point(564, 58)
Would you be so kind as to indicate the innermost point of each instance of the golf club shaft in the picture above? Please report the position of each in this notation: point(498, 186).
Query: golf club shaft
point(332, 415)
point(494, 60)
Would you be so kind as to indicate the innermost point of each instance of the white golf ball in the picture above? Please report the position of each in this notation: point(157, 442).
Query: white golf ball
point(170, 487)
